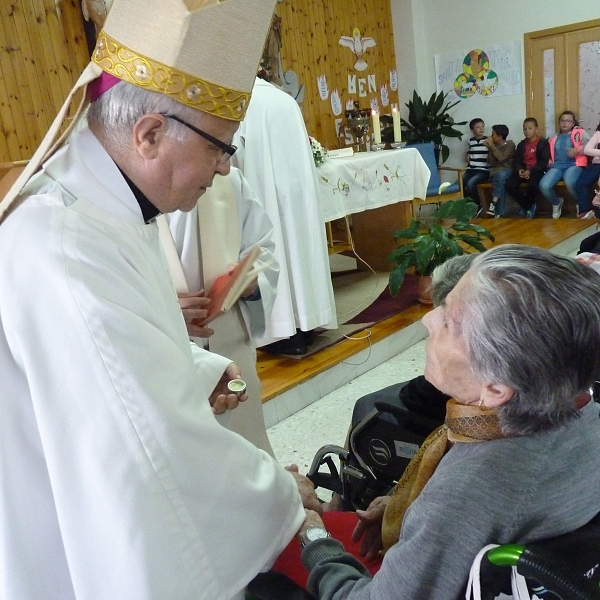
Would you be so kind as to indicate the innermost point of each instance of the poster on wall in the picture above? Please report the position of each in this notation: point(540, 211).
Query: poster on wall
point(489, 71)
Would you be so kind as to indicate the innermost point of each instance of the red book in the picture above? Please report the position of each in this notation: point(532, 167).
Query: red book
point(228, 288)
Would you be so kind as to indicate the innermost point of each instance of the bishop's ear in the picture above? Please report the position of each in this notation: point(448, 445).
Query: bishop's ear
point(148, 132)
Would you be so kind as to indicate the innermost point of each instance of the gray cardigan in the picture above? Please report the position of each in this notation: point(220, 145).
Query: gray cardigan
point(510, 490)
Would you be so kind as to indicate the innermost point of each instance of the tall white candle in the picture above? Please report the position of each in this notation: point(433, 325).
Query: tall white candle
point(396, 119)
point(376, 127)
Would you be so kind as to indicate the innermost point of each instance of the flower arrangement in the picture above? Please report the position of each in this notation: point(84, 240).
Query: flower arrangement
point(319, 153)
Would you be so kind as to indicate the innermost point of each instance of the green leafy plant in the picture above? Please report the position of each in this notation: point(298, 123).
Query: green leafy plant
point(430, 122)
point(434, 243)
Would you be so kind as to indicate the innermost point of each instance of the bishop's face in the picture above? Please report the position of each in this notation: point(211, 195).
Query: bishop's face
point(187, 167)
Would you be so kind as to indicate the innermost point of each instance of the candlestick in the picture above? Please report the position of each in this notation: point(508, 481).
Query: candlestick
point(376, 127)
point(396, 120)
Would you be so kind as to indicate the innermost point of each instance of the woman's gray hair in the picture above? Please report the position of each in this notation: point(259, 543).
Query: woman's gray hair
point(115, 112)
point(447, 275)
point(531, 321)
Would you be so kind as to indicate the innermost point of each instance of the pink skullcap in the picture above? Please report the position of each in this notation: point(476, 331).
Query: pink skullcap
point(102, 84)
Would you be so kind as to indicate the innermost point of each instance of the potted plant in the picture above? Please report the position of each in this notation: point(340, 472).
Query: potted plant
point(430, 122)
point(433, 243)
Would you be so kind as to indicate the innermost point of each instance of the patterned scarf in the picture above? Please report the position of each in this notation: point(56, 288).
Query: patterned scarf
point(465, 424)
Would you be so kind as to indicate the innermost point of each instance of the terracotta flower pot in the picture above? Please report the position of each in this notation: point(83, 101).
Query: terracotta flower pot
point(423, 289)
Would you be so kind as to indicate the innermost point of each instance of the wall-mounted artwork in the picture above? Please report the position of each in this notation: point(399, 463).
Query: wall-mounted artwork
point(491, 71)
point(358, 44)
point(343, 53)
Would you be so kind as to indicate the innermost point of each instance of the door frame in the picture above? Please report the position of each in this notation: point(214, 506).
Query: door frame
point(568, 94)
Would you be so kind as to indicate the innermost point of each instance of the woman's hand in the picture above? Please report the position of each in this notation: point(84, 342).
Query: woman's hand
point(368, 528)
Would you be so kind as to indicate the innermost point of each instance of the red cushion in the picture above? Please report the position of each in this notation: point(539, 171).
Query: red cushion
point(340, 525)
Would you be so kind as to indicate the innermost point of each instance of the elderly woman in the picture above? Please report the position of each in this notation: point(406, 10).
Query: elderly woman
point(516, 345)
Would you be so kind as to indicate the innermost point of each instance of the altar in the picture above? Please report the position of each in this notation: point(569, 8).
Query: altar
point(373, 187)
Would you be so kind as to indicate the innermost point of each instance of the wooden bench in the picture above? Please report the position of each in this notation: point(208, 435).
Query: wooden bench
point(543, 206)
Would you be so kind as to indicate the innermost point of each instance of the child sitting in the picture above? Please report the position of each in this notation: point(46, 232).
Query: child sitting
point(500, 159)
point(567, 160)
point(529, 165)
point(477, 160)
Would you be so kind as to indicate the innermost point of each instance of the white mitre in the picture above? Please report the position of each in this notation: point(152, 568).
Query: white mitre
point(202, 53)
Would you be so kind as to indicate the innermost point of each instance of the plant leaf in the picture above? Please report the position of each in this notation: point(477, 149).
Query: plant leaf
point(396, 280)
point(411, 232)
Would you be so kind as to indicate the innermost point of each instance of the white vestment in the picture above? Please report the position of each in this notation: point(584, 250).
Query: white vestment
point(227, 222)
point(275, 156)
point(116, 481)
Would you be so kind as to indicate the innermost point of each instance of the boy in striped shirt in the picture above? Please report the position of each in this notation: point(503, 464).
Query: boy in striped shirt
point(478, 170)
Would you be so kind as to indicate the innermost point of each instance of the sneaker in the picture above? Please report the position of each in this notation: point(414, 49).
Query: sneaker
point(587, 215)
point(497, 216)
point(522, 212)
point(491, 209)
point(557, 210)
point(531, 211)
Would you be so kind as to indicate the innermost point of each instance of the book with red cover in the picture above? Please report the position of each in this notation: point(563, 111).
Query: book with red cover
point(228, 288)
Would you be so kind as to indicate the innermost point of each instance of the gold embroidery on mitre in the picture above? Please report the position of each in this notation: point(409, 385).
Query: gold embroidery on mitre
point(149, 74)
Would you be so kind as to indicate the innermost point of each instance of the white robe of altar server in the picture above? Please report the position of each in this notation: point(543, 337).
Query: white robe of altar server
point(227, 222)
point(275, 156)
point(116, 481)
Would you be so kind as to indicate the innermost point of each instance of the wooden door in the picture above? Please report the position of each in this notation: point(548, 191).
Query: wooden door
point(563, 73)
point(583, 59)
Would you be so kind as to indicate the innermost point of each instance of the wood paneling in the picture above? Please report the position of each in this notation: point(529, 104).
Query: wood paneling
point(310, 32)
point(42, 52)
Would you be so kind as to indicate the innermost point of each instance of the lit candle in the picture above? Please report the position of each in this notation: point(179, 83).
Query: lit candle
point(396, 119)
point(376, 127)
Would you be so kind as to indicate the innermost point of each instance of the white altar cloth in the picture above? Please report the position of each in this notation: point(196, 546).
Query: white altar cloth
point(369, 180)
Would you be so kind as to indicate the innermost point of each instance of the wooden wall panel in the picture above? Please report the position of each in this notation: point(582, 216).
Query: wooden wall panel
point(311, 30)
point(42, 52)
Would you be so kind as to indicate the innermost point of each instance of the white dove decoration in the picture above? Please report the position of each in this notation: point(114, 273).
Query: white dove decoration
point(358, 45)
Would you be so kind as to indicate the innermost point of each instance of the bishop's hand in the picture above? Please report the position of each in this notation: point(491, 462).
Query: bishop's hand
point(222, 398)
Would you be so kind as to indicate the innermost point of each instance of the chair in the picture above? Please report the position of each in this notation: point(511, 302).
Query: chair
point(565, 567)
point(452, 192)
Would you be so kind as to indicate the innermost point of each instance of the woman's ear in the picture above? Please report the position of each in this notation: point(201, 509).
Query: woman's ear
point(496, 394)
point(148, 132)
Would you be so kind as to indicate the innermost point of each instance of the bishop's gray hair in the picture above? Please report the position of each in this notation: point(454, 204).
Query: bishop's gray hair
point(115, 112)
point(532, 322)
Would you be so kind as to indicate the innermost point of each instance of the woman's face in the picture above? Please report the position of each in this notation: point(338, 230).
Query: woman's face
point(566, 123)
point(447, 365)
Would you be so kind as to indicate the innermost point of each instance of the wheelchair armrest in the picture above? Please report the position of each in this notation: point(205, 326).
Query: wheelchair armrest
point(275, 586)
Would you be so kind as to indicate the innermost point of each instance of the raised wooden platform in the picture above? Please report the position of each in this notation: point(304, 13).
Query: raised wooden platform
point(281, 374)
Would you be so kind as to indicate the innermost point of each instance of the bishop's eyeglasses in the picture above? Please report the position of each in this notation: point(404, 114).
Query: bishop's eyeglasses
point(228, 149)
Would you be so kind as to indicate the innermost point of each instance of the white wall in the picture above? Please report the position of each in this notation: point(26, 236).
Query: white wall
point(438, 26)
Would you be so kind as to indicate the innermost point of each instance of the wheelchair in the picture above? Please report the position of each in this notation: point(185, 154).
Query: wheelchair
point(380, 447)
point(566, 567)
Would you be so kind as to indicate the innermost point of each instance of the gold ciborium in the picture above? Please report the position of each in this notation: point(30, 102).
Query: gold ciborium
point(358, 121)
